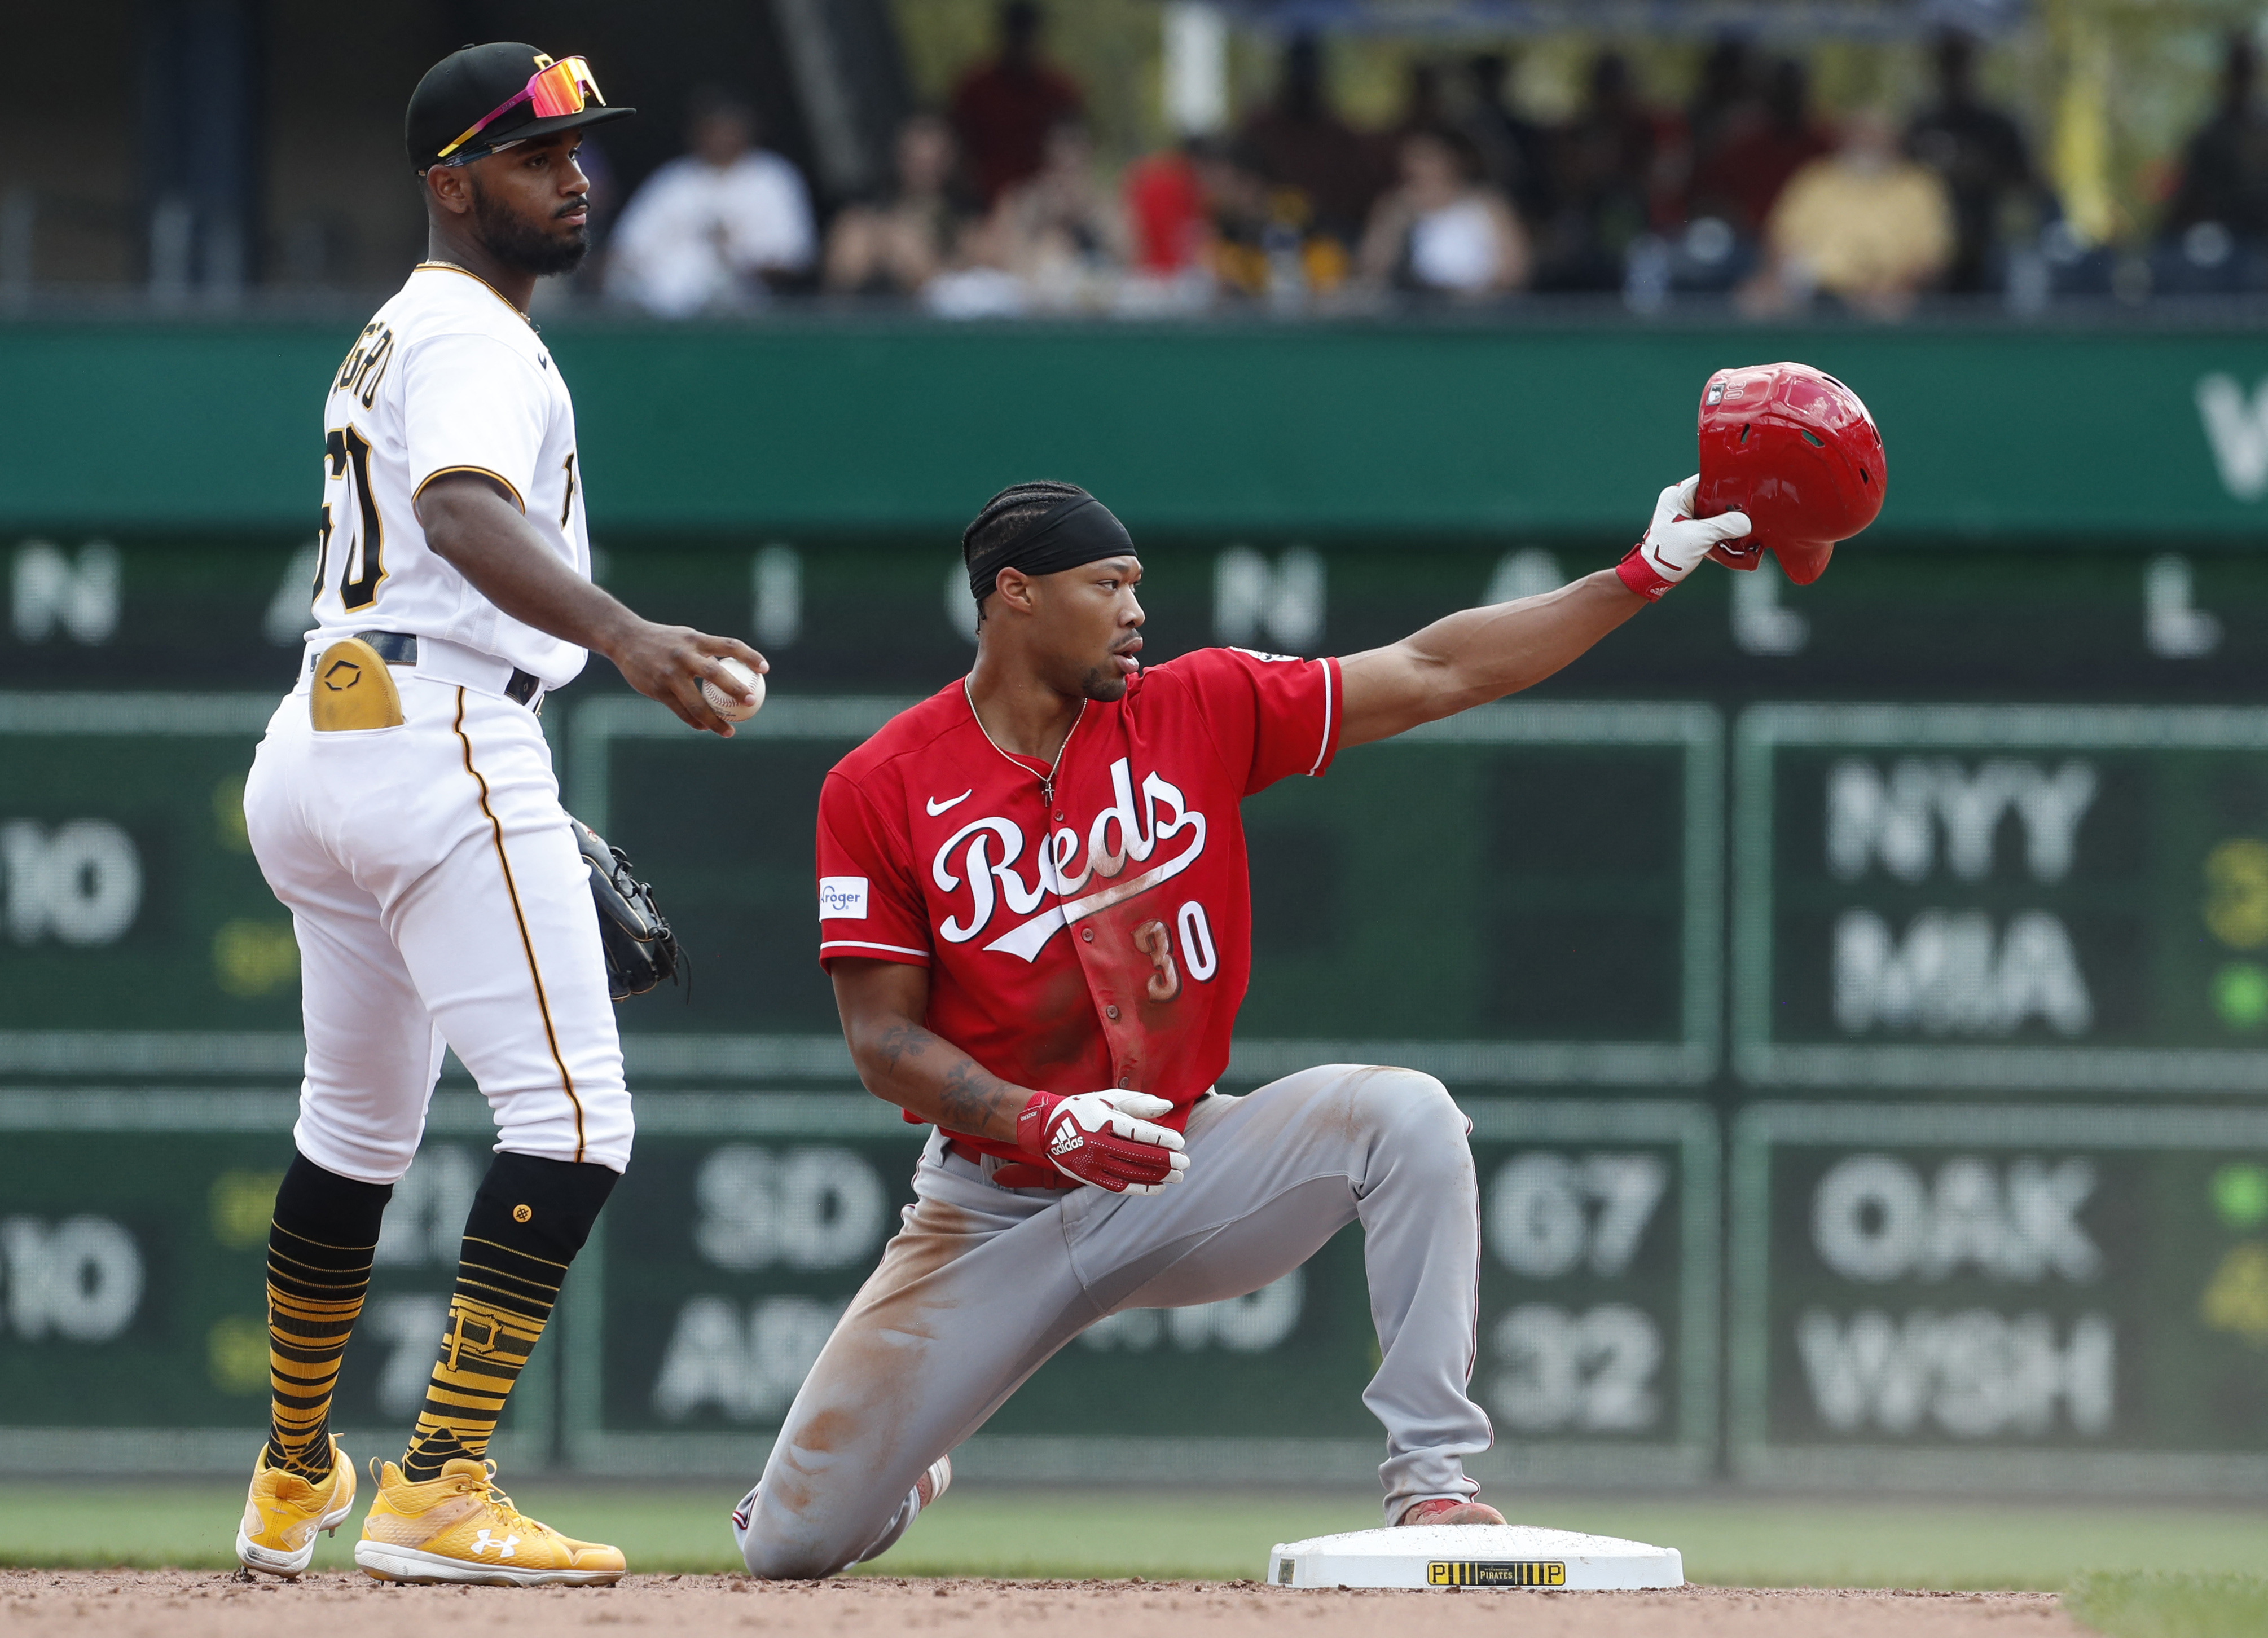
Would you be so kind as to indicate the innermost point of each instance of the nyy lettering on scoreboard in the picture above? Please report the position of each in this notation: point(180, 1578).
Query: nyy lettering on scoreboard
point(2005, 898)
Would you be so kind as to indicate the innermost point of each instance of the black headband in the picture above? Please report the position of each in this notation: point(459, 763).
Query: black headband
point(1075, 531)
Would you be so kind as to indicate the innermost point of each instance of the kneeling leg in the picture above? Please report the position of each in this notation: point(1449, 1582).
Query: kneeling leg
point(960, 1312)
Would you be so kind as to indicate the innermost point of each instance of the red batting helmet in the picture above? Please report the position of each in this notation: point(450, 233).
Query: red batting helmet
point(1795, 449)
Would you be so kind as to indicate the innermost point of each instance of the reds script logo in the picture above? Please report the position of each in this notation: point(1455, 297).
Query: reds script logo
point(987, 851)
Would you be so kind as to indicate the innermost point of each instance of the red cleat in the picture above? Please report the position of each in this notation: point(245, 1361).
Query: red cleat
point(1448, 1510)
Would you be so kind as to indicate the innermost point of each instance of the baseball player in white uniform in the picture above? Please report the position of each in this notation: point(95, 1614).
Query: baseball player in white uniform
point(402, 805)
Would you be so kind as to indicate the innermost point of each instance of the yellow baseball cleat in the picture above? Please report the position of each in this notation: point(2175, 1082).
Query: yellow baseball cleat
point(460, 1527)
point(286, 1509)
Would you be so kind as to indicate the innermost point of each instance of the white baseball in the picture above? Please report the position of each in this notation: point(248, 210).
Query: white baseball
point(722, 703)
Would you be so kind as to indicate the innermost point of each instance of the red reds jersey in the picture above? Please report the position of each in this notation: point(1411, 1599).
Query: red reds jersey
point(1088, 926)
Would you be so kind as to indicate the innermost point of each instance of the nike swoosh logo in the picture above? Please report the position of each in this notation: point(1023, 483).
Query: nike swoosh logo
point(936, 807)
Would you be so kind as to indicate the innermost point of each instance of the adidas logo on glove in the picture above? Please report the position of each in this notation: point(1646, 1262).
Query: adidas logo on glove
point(1107, 1139)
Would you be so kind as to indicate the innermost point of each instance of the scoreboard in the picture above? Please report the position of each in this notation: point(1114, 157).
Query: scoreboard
point(1936, 893)
point(735, 1240)
point(2050, 899)
point(1958, 903)
point(887, 614)
point(140, 938)
point(2073, 1299)
point(1571, 932)
point(133, 1252)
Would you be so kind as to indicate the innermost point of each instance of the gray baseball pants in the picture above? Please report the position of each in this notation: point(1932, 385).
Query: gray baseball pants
point(983, 1285)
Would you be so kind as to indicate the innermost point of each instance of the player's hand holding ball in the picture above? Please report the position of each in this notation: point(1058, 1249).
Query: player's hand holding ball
point(1675, 542)
point(731, 705)
point(1103, 1138)
point(700, 678)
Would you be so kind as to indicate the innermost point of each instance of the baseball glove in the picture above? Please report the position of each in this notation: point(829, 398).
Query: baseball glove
point(641, 950)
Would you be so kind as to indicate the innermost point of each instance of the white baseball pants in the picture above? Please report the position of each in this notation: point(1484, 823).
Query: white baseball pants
point(983, 1285)
point(438, 897)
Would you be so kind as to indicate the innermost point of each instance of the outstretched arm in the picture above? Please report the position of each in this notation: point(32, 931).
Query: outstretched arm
point(475, 528)
point(1476, 655)
point(1481, 654)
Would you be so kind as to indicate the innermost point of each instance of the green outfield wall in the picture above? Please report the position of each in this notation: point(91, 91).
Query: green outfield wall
point(1859, 990)
point(2040, 435)
point(1864, 1095)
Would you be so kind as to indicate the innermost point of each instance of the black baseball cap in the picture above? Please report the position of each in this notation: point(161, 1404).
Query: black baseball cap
point(465, 86)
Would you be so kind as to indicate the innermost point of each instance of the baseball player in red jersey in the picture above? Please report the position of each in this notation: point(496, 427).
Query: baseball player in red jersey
point(1034, 908)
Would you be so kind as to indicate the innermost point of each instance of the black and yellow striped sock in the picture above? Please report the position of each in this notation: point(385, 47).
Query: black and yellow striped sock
point(529, 1219)
point(320, 1245)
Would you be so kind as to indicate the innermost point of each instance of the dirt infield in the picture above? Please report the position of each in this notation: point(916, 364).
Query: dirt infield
point(184, 1604)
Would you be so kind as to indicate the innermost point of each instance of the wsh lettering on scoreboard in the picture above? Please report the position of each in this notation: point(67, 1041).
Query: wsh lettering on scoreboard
point(1943, 1295)
point(2067, 899)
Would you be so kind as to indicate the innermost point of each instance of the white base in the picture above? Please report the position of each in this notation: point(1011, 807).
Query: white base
point(1476, 1556)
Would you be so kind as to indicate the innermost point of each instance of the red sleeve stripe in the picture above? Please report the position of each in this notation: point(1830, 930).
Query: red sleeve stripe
point(1324, 750)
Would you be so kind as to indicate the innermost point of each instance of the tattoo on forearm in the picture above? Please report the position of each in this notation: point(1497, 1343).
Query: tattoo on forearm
point(900, 1042)
point(966, 1098)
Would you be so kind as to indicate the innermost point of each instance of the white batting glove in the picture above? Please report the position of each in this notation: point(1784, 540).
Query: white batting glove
point(1104, 1138)
point(1676, 541)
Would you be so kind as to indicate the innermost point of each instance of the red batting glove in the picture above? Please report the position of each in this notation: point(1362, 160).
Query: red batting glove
point(1101, 1138)
point(1676, 541)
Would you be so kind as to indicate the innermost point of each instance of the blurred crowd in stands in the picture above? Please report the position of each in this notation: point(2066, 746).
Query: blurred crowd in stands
point(1749, 196)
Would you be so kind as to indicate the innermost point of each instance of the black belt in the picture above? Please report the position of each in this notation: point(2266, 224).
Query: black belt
point(399, 647)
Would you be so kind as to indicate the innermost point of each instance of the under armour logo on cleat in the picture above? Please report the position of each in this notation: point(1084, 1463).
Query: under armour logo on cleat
point(481, 1544)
